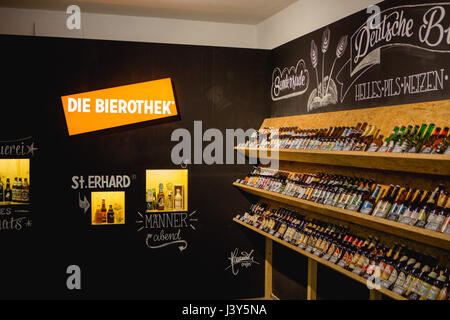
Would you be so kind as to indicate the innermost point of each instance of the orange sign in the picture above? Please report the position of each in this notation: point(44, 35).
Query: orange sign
point(114, 107)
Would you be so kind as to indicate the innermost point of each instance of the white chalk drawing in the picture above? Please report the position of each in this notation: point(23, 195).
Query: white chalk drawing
point(326, 92)
point(18, 148)
point(395, 29)
point(245, 259)
point(83, 204)
point(289, 82)
point(166, 228)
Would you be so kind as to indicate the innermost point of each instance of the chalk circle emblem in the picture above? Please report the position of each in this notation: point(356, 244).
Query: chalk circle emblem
point(244, 259)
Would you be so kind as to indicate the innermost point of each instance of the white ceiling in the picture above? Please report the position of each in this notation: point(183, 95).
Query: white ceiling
point(232, 11)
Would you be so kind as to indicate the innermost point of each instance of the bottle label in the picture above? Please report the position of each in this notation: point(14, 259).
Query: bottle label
point(342, 263)
point(357, 270)
point(433, 293)
point(384, 209)
point(366, 208)
point(423, 289)
point(372, 148)
point(383, 148)
point(393, 277)
point(447, 152)
point(426, 150)
point(443, 294)
point(447, 229)
point(333, 259)
point(399, 290)
point(317, 252)
point(432, 226)
point(420, 223)
point(399, 148)
point(400, 279)
point(387, 272)
point(386, 284)
point(326, 256)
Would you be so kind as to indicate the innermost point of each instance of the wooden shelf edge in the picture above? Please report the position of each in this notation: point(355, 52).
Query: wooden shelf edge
point(435, 239)
point(320, 260)
point(436, 164)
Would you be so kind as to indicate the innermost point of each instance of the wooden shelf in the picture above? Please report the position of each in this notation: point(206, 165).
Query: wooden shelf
point(13, 203)
point(320, 260)
point(436, 164)
point(428, 237)
point(165, 211)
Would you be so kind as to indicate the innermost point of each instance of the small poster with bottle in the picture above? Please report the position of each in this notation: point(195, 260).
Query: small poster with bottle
point(108, 208)
point(179, 197)
point(14, 181)
point(166, 190)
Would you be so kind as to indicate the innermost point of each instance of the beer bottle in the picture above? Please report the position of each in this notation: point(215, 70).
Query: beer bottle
point(428, 144)
point(396, 140)
point(387, 203)
point(437, 285)
point(360, 250)
point(103, 211)
point(161, 198)
point(19, 190)
point(384, 147)
point(414, 139)
point(369, 204)
point(375, 262)
point(442, 136)
point(417, 276)
point(401, 284)
point(423, 139)
point(14, 190)
point(443, 147)
point(367, 143)
point(366, 255)
point(377, 142)
point(8, 191)
point(425, 282)
point(397, 267)
point(2, 198)
point(414, 213)
point(110, 214)
point(402, 198)
point(437, 214)
point(426, 209)
point(385, 259)
point(401, 144)
point(391, 261)
point(443, 293)
point(25, 190)
point(98, 216)
point(445, 228)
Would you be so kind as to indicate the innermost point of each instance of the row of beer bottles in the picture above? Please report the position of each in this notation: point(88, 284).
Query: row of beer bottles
point(17, 192)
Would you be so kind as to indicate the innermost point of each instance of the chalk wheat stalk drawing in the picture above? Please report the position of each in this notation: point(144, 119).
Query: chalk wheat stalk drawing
point(314, 60)
point(325, 45)
point(341, 47)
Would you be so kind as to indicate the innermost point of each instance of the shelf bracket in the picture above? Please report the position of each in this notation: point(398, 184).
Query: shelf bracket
point(311, 293)
point(268, 270)
point(374, 295)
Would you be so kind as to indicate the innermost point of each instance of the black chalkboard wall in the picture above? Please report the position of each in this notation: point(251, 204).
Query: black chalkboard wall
point(223, 87)
point(220, 86)
point(408, 61)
